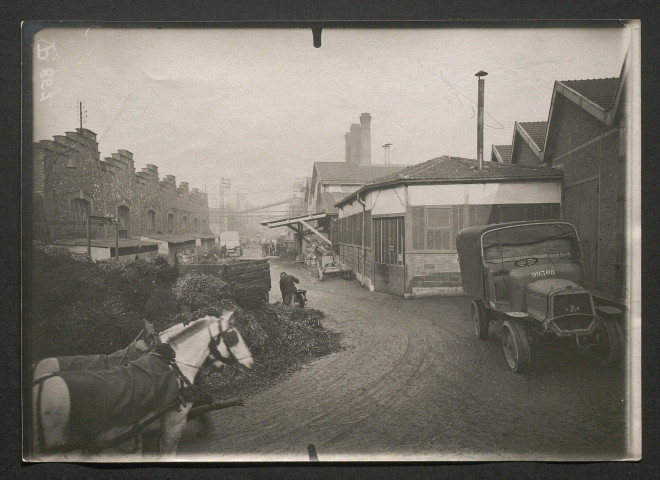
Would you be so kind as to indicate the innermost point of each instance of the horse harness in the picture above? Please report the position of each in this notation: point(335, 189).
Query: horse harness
point(187, 391)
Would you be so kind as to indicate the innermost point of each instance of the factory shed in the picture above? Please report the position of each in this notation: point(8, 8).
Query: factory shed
point(398, 232)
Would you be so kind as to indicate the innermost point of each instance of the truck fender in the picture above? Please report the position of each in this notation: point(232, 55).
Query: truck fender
point(608, 310)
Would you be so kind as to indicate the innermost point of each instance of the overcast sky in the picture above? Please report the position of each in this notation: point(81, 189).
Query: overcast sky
point(259, 106)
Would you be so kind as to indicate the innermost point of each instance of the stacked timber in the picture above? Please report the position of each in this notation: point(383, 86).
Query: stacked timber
point(240, 274)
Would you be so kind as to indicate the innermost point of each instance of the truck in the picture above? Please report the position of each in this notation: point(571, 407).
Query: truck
point(232, 242)
point(526, 279)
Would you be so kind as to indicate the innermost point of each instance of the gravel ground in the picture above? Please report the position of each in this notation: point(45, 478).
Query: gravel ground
point(414, 383)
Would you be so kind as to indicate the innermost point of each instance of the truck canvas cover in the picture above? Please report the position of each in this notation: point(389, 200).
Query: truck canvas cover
point(468, 245)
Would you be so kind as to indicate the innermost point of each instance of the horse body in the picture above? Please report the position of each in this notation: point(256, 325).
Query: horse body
point(67, 403)
point(90, 362)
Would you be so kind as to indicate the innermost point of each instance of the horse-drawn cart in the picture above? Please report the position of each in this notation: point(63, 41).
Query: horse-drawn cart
point(328, 265)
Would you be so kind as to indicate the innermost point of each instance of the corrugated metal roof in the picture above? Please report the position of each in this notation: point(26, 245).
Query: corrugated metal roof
point(170, 238)
point(504, 152)
point(352, 172)
point(104, 242)
point(536, 131)
point(601, 91)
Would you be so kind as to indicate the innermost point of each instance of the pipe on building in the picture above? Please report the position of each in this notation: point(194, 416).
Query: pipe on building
point(480, 119)
point(364, 247)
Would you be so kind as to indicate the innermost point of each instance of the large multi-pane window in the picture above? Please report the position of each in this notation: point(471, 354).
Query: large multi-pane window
point(435, 228)
point(350, 229)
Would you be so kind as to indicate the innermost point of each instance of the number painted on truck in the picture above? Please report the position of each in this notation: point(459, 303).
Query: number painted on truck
point(543, 273)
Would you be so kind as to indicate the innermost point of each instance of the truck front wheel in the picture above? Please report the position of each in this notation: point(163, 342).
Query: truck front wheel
point(480, 319)
point(515, 345)
point(609, 349)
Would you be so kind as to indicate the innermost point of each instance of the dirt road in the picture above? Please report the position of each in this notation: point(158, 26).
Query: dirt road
point(414, 383)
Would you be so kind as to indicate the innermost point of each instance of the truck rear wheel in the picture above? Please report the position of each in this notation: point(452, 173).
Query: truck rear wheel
point(480, 319)
point(609, 350)
point(515, 345)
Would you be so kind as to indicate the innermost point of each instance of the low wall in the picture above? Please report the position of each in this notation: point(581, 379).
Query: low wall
point(434, 274)
point(351, 257)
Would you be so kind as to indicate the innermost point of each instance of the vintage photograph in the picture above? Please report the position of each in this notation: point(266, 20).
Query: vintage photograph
point(335, 244)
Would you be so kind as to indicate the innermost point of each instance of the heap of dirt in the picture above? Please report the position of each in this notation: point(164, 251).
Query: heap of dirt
point(81, 307)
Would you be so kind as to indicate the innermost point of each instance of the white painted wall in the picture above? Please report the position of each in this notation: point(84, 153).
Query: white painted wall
point(485, 193)
point(351, 208)
point(342, 188)
point(392, 200)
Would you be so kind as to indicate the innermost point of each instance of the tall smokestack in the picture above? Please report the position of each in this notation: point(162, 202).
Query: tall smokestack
point(480, 119)
point(354, 146)
point(365, 139)
point(386, 151)
point(347, 136)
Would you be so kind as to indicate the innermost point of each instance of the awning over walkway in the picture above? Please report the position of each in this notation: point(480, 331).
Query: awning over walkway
point(301, 225)
point(293, 220)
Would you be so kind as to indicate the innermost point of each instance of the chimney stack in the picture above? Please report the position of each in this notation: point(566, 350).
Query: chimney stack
point(480, 118)
point(354, 146)
point(347, 136)
point(386, 150)
point(365, 139)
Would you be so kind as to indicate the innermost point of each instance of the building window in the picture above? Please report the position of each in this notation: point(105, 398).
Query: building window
point(151, 221)
point(438, 229)
point(124, 217)
point(185, 223)
point(195, 225)
point(435, 228)
point(80, 210)
point(170, 223)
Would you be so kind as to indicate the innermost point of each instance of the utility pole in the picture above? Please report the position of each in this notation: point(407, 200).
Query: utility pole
point(225, 184)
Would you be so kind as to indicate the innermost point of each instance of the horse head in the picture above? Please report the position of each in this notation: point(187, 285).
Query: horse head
point(227, 347)
point(209, 340)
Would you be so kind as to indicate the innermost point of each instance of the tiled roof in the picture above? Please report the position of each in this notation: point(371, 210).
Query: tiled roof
point(536, 130)
point(454, 168)
point(504, 152)
point(600, 91)
point(352, 172)
point(458, 170)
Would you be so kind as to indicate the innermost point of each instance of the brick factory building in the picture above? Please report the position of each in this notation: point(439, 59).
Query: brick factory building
point(585, 137)
point(71, 182)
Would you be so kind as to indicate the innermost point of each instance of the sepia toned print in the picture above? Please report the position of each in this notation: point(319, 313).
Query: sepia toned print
point(383, 245)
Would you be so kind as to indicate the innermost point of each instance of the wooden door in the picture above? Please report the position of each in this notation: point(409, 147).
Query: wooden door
point(389, 258)
point(581, 209)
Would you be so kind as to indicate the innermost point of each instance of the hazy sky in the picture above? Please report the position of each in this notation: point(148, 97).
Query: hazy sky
point(259, 106)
